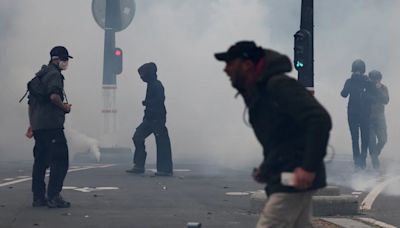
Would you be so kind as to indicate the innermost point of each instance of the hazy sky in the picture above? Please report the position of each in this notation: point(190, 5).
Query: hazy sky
point(204, 119)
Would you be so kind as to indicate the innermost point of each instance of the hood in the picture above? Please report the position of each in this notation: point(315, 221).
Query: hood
point(274, 64)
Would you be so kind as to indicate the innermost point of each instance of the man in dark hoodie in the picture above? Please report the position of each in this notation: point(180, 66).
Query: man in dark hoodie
point(46, 117)
point(153, 123)
point(292, 127)
point(358, 111)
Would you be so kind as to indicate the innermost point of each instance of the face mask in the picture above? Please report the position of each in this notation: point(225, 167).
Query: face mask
point(63, 65)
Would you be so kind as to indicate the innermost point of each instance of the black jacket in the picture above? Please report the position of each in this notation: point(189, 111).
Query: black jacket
point(288, 121)
point(154, 101)
point(357, 88)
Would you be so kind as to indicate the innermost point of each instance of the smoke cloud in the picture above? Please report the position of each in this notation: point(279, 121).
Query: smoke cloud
point(204, 120)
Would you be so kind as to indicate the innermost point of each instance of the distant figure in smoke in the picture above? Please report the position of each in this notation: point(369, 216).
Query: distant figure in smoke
point(153, 123)
point(292, 127)
point(379, 97)
point(46, 117)
point(358, 111)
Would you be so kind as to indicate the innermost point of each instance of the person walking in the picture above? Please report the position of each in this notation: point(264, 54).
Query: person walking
point(154, 121)
point(292, 127)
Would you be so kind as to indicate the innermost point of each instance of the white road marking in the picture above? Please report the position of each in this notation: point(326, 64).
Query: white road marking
point(175, 170)
point(370, 198)
point(237, 193)
point(376, 222)
point(22, 177)
point(89, 189)
point(70, 170)
point(8, 179)
point(356, 193)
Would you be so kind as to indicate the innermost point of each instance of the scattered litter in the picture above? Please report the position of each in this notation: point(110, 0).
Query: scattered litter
point(164, 187)
point(86, 216)
point(193, 225)
point(67, 214)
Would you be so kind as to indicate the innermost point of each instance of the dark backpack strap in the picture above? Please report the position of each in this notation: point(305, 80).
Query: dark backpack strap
point(26, 93)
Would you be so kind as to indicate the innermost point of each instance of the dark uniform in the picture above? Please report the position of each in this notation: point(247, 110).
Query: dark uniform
point(154, 121)
point(379, 97)
point(50, 150)
point(358, 111)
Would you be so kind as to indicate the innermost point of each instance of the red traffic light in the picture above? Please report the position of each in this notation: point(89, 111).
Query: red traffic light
point(118, 52)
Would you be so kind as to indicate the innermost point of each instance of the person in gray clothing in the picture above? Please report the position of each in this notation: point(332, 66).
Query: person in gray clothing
point(46, 117)
point(379, 97)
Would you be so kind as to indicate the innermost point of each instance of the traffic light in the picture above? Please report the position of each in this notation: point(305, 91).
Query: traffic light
point(117, 61)
point(302, 50)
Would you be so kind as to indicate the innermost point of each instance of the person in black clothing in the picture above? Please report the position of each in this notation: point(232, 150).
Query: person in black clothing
point(292, 127)
point(46, 117)
point(358, 111)
point(153, 123)
point(379, 97)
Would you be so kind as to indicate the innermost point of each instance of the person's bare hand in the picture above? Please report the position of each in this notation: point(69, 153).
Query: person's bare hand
point(302, 178)
point(257, 175)
point(29, 132)
point(67, 108)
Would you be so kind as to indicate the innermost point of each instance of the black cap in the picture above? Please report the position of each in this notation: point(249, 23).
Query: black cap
point(61, 52)
point(242, 50)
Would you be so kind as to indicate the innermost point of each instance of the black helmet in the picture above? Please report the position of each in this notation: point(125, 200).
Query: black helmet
point(375, 75)
point(358, 66)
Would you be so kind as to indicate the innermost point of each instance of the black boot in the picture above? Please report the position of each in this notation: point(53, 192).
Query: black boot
point(58, 202)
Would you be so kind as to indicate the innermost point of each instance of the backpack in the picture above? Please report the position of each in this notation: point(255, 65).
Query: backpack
point(36, 88)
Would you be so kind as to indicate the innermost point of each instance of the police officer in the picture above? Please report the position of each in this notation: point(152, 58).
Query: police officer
point(46, 117)
point(379, 97)
point(358, 111)
point(153, 123)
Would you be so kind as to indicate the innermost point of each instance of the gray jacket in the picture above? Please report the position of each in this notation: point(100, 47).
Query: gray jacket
point(46, 115)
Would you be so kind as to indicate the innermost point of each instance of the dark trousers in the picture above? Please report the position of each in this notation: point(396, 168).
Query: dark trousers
point(160, 131)
point(50, 151)
point(377, 139)
point(359, 125)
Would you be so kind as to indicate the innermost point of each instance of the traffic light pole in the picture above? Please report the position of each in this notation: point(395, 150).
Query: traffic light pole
point(306, 74)
point(109, 77)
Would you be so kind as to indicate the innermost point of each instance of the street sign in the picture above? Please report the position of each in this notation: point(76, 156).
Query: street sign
point(125, 13)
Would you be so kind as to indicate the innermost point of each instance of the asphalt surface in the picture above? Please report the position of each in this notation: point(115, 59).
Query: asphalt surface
point(386, 205)
point(104, 195)
point(198, 195)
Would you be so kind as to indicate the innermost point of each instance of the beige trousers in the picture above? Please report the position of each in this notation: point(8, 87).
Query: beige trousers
point(287, 210)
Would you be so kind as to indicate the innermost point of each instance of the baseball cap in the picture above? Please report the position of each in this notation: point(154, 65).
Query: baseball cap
point(61, 52)
point(242, 50)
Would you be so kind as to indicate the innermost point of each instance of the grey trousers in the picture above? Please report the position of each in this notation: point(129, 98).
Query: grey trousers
point(287, 210)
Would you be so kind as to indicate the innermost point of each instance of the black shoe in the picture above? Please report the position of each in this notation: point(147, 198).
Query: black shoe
point(39, 202)
point(58, 202)
point(136, 169)
point(163, 174)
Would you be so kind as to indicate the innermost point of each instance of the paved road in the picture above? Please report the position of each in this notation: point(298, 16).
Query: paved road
point(378, 193)
point(103, 195)
point(131, 200)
